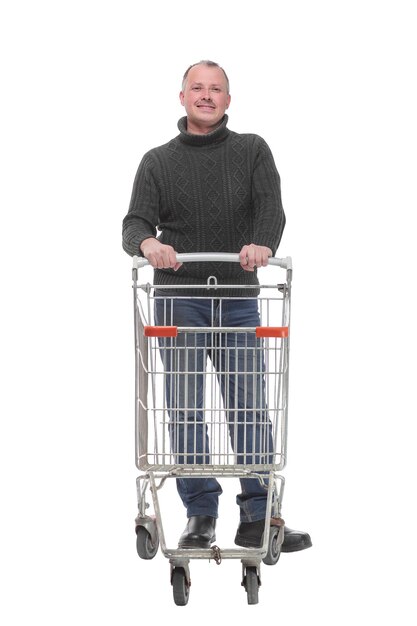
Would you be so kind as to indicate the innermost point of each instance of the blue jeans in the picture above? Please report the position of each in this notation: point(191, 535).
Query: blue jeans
point(239, 365)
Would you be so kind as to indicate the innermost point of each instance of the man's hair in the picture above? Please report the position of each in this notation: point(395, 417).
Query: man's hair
point(208, 64)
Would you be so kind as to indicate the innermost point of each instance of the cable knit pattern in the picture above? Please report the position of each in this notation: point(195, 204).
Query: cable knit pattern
point(206, 193)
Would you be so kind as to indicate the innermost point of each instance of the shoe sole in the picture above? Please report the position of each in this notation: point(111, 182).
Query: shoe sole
point(245, 543)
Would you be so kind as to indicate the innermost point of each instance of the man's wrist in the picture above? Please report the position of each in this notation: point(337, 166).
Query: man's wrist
point(143, 244)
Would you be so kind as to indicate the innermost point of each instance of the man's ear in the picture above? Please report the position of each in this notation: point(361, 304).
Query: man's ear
point(182, 97)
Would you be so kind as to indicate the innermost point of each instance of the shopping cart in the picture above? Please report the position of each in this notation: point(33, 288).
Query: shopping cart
point(189, 421)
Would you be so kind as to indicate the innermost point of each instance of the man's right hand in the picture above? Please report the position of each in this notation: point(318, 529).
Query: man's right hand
point(159, 255)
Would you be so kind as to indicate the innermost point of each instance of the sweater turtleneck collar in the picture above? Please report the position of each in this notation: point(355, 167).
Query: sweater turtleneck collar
point(216, 135)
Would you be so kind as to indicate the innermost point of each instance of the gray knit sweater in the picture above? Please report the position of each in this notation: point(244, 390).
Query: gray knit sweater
point(206, 193)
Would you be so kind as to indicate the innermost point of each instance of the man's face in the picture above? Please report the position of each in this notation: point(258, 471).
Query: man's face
point(205, 98)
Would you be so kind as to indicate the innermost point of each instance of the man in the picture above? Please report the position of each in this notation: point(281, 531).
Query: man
point(209, 189)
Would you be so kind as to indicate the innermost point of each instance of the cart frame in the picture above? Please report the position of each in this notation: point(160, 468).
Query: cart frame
point(157, 466)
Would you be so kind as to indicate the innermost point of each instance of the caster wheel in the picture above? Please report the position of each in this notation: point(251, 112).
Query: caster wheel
point(146, 549)
point(274, 550)
point(251, 584)
point(180, 586)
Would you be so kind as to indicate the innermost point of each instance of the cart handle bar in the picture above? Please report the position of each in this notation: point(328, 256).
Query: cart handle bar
point(260, 331)
point(216, 257)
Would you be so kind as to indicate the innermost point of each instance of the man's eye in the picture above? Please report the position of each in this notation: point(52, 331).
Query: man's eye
point(196, 88)
point(216, 89)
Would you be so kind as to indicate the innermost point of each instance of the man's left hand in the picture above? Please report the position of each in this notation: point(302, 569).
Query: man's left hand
point(252, 256)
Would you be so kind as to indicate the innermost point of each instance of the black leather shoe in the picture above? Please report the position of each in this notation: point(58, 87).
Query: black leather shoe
point(250, 535)
point(199, 532)
point(295, 540)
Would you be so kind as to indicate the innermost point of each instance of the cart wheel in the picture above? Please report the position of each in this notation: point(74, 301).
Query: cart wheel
point(251, 584)
point(274, 550)
point(180, 587)
point(146, 549)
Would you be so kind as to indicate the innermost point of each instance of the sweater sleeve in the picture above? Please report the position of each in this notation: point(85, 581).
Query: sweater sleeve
point(269, 217)
point(143, 215)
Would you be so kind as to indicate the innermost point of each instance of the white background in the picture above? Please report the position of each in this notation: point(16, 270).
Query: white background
point(88, 87)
